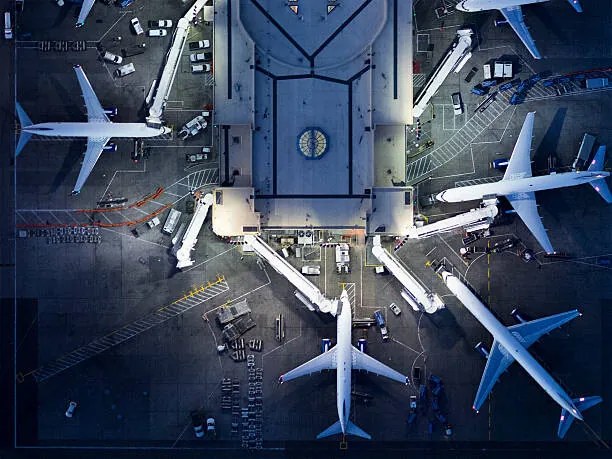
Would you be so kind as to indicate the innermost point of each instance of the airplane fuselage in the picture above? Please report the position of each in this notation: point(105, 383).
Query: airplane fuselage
point(510, 343)
point(94, 129)
point(344, 362)
point(483, 5)
point(521, 185)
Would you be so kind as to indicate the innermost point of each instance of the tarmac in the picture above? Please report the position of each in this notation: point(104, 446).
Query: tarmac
point(139, 394)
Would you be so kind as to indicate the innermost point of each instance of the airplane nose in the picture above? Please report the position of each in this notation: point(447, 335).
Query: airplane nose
point(460, 6)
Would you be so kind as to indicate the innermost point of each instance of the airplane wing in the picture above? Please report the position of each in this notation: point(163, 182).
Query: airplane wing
point(525, 206)
point(95, 112)
point(529, 332)
point(514, 16)
point(94, 149)
point(519, 165)
point(497, 362)
point(363, 361)
point(85, 9)
point(325, 361)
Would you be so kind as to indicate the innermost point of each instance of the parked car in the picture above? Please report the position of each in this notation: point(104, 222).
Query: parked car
point(136, 26)
point(110, 57)
point(395, 309)
point(211, 430)
point(153, 222)
point(71, 407)
point(200, 68)
point(157, 33)
point(457, 103)
point(197, 422)
point(199, 57)
point(125, 70)
point(194, 157)
point(195, 45)
point(311, 270)
point(471, 74)
point(160, 23)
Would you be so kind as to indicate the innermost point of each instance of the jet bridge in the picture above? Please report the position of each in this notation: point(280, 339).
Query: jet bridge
point(413, 292)
point(454, 60)
point(475, 219)
point(171, 66)
point(191, 235)
point(306, 292)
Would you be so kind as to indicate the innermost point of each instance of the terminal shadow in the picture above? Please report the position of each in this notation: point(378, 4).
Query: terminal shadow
point(548, 144)
point(75, 152)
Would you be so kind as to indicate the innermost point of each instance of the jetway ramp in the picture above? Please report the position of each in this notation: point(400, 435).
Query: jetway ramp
point(171, 66)
point(480, 218)
point(454, 60)
point(307, 292)
point(183, 255)
point(419, 298)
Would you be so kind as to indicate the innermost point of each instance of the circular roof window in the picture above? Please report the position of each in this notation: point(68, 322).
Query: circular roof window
point(313, 143)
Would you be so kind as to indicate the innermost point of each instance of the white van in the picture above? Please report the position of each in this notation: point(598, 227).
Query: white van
point(125, 70)
point(8, 29)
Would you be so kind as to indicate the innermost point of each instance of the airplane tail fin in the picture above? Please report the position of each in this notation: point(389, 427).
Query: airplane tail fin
point(351, 429)
point(597, 165)
point(582, 404)
point(24, 120)
point(576, 5)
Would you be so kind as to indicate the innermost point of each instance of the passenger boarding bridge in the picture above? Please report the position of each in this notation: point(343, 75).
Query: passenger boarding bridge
point(172, 61)
point(413, 292)
point(474, 220)
point(183, 255)
point(454, 60)
point(306, 291)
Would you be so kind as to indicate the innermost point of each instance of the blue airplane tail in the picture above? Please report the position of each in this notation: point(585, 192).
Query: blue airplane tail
point(25, 121)
point(582, 404)
point(597, 165)
point(351, 429)
point(576, 5)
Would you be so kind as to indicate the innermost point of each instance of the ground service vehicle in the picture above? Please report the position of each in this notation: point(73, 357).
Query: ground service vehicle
point(171, 221)
point(125, 70)
point(70, 411)
point(380, 321)
point(200, 68)
point(136, 26)
point(395, 309)
point(8, 28)
point(110, 57)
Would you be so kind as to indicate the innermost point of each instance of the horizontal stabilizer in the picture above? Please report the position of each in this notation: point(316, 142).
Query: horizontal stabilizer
point(598, 160)
point(529, 332)
point(582, 404)
point(597, 165)
point(352, 429)
point(24, 121)
point(334, 429)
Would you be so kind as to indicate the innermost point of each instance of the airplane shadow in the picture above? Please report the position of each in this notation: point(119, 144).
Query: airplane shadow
point(550, 141)
point(75, 151)
point(445, 320)
point(550, 22)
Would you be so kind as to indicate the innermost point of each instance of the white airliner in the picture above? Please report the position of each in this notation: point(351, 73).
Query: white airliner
point(344, 357)
point(510, 344)
point(98, 129)
point(85, 9)
point(511, 9)
point(518, 186)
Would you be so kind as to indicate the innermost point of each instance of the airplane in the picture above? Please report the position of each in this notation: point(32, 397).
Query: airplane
point(98, 129)
point(84, 12)
point(343, 357)
point(511, 9)
point(518, 186)
point(510, 344)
